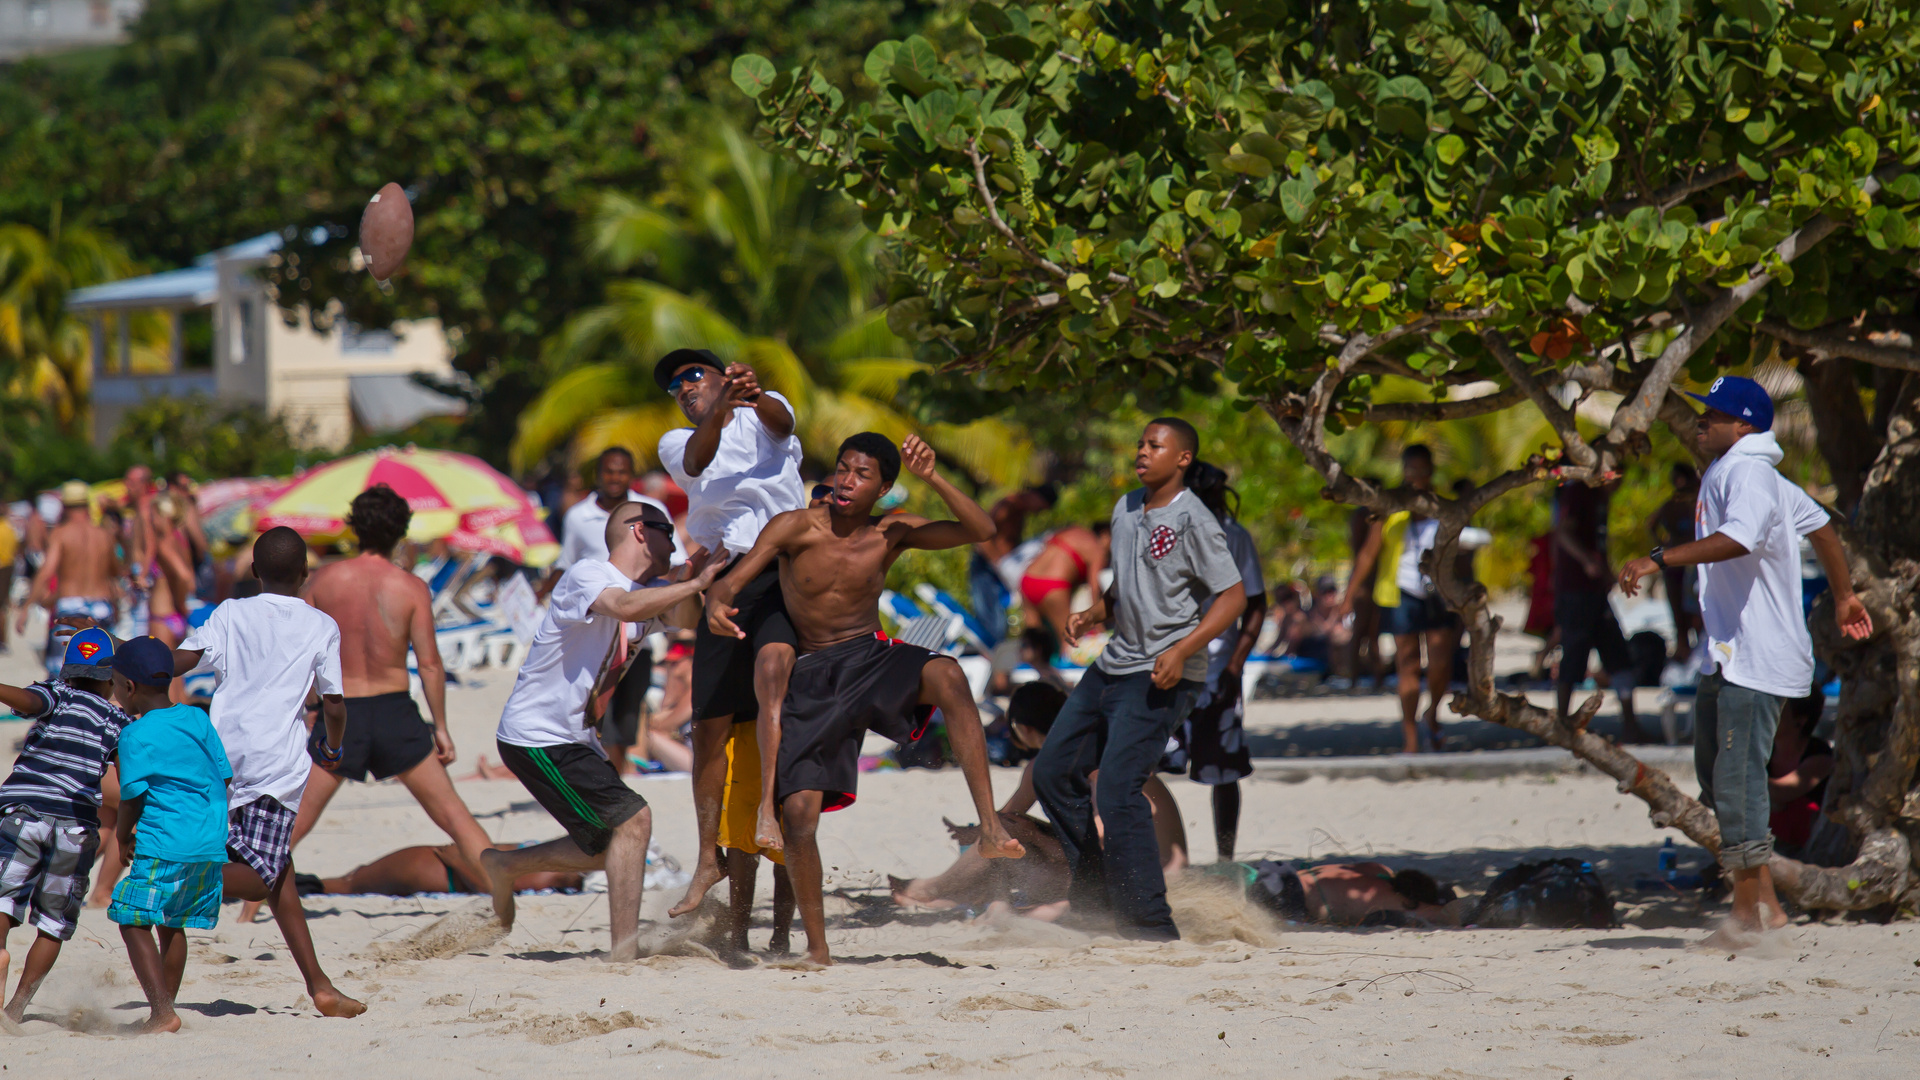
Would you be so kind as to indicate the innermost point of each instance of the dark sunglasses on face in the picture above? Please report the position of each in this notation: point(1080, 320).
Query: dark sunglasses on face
point(690, 375)
point(665, 527)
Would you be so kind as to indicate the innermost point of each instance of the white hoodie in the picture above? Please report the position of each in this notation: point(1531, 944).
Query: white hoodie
point(1756, 630)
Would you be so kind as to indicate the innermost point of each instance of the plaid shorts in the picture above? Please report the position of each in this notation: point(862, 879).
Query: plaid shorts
point(156, 892)
point(44, 864)
point(260, 834)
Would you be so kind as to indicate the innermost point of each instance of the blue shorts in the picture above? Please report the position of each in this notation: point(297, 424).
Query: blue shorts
point(1417, 615)
point(161, 893)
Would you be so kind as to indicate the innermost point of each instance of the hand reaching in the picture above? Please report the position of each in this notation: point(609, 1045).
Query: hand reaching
point(713, 564)
point(1852, 616)
point(1631, 574)
point(917, 456)
point(743, 386)
point(1079, 623)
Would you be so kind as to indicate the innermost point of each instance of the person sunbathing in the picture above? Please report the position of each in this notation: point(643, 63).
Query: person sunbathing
point(1347, 894)
point(1037, 882)
point(424, 868)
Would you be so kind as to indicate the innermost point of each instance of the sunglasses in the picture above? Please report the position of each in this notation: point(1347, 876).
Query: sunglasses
point(690, 375)
point(665, 527)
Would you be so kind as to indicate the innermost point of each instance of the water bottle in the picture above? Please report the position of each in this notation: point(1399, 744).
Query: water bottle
point(1669, 861)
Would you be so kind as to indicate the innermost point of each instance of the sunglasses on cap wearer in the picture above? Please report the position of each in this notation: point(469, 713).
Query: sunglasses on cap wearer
point(692, 374)
point(665, 527)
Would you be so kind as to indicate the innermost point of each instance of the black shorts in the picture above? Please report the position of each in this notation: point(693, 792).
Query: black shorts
point(723, 666)
point(385, 737)
point(837, 695)
point(1277, 887)
point(1587, 624)
point(1215, 736)
point(1417, 615)
point(578, 787)
point(621, 725)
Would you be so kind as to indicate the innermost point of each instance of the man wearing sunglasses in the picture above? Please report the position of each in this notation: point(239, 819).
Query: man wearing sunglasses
point(545, 736)
point(740, 466)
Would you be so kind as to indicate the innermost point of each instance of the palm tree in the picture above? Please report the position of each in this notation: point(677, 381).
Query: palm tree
point(46, 353)
point(746, 256)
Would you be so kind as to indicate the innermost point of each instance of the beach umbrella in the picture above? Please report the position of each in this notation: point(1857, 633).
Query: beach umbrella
point(454, 497)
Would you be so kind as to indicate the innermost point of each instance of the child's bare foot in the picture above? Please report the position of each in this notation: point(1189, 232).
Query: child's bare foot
point(15, 1013)
point(781, 943)
point(706, 874)
point(161, 1025)
point(820, 957)
point(332, 1002)
point(500, 885)
point(766, 832)
point(996, 844)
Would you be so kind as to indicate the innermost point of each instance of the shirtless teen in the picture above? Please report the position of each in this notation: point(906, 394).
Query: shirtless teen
point(80, 559)
point(850, 677)
point(382, 610)
point(1073, 556)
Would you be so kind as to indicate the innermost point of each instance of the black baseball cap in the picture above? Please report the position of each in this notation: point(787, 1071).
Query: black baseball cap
point(679, 358)
point(145, 660)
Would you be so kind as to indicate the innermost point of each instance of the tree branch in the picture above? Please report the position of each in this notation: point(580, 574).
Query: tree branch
point(993, 215)
point(1823, 343)
point(1675, 193)
point(1571, 443)
point(1436, 411)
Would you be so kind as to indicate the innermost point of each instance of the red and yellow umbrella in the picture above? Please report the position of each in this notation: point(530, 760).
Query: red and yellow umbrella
point(454, 497)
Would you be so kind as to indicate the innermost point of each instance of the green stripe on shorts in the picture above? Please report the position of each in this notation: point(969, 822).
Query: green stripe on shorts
point(552, 773)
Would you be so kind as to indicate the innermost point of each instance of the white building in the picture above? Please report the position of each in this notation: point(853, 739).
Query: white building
point(36, 27)
point(328, 384)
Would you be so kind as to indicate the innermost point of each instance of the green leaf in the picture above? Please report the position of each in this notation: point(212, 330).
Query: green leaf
point(1406, 86)
point(753, 74)
point(1253, 165)
point(880, 61)
point(1450, 148)
point(1167, 290)
point(1336, 284)
point(1296, 199)
point(1227, 222)
point(915, 65)
point(989, 19)
point(1397, 118)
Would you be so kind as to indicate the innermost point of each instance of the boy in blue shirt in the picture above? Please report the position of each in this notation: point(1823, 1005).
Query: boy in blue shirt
point(50, 807)
point(173, 824)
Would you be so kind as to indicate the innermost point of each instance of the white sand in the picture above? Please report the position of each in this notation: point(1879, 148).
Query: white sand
point(945, 997)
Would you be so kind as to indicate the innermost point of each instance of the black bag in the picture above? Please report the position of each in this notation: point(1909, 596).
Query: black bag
point(1555, 893)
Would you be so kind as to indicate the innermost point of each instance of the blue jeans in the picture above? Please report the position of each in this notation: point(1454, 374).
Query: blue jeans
point(1117, 724)
point(1732, 739)
point(989, 595)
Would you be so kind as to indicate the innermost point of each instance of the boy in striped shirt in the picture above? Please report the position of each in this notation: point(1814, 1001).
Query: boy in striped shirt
point(50, 806)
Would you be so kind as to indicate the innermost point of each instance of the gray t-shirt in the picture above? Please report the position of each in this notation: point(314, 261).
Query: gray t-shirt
point(1166, 563)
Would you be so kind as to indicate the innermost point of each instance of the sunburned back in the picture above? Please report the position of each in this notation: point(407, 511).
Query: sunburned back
point(832, 583)
point(374, 602)
point(86, 559)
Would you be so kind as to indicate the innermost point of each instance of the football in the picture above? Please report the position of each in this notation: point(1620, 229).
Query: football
point(386, 231)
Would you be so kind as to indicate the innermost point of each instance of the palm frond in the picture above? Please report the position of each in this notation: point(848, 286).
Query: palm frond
point(623, 232)
point(567, 404)
point(779, 370)
point(638, 428)
point(653, 320)
point(865, 336)
point(989, 450)
point(877, 377)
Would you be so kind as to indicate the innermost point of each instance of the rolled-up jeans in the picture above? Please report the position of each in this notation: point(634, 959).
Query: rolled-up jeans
point(1118, 724)
point(1732, 739)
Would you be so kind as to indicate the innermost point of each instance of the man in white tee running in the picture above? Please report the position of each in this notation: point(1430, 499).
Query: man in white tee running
point(740, 466)
point(546, 739)
point(1747, 528)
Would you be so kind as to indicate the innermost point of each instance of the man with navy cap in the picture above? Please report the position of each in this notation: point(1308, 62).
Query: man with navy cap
point(1747, 527)
point(739, 465)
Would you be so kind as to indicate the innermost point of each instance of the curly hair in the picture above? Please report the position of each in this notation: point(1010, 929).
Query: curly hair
point(379, 518)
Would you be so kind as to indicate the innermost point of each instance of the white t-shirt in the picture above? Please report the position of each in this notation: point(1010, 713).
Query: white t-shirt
point(267, 650)
point(1756, 628)
point(752, 477)
point(1247, 558)
point(1420, 537)
point(548, 706)
point(584, 529)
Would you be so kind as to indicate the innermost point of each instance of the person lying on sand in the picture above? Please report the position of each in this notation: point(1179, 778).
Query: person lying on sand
point(1039, 879)
point(1347, 894)
point(424, 868)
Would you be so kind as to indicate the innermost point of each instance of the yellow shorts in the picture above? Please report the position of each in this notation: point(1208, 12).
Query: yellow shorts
point(740, 808)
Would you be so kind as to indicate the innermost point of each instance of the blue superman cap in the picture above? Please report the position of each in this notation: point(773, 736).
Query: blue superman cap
point(89, 656)
point(1742, 399)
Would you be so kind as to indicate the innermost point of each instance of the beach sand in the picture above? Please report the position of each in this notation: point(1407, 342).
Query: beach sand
point(934, 994)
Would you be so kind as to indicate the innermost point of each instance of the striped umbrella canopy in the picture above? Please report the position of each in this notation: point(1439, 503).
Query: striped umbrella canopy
point(454, 497)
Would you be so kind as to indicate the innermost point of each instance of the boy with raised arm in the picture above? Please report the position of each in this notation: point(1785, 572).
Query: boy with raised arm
point(545, 737)
point(850, 677)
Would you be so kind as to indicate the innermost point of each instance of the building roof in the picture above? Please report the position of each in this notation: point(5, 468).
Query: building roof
point(193, 286)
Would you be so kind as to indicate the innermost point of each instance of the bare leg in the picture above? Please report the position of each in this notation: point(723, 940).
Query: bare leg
point(110, 864)
point(149, 968)
point(709, 793)
point(626, 877)
point(742, 869)
point(1772, 915)
point(6, 961)
point(240, 881)
point(505, 867)
point(1226, 819)
point(430, 784)
point(321, 787)
point(782, 940)
point(958, 882)
point(1440, 646)
point(771, 668)
point(1629, 720)
point(1055, 607)
point(1406, 663)
point(944, 686)
point(1746, 899)
point(802, 821)
point(670, 750)
point(40, 957)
